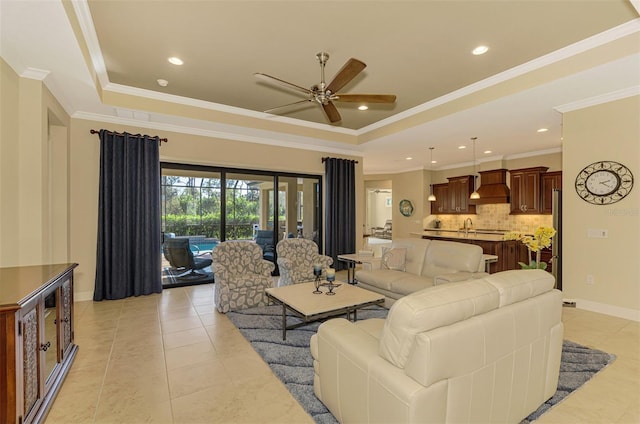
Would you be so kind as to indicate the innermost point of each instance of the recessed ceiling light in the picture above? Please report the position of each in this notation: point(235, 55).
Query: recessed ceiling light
point(363, 107)
point(409, 158)
point(543, 130)
point(163, 82)
point(434, 161)
point(480, 50)
point(175, 61)
point(486, 152)
point(462, 147)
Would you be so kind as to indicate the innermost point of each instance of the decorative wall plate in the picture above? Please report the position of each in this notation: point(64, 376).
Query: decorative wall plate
point(604, 182)
point(406, 207)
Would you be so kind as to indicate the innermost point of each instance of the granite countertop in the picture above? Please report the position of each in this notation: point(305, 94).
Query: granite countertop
point(484, 235)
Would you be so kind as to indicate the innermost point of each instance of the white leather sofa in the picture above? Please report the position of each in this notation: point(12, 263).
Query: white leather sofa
point(427, 263)
point(485, 350)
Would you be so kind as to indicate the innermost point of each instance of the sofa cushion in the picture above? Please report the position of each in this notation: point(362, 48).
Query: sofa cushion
point(410, 283)
point(431, 308)
point(394, 258)
point(445, 257)
point(382, 278)
point(416, 249)
point(517, 285)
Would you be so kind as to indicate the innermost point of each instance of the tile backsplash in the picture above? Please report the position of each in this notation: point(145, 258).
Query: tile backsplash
point(494, 217)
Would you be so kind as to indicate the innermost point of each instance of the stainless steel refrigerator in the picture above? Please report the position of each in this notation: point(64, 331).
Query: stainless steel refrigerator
point(556, 243)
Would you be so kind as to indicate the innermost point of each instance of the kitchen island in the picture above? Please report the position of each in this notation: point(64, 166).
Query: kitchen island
point(509, 252)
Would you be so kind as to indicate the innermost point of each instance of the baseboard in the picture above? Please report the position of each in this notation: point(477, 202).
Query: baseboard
point(603, 308)
point(84, 295)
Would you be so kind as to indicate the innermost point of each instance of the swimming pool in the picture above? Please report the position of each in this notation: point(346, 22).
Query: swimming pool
point(195, 247)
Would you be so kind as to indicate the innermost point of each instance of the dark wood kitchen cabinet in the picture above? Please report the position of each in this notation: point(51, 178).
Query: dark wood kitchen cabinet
point(525, 190)
point(441, 205)
point(460, 188)
point(549, 181)
point(37, 341)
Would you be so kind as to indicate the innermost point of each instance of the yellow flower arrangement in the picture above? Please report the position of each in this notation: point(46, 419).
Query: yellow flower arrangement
point(540, 239)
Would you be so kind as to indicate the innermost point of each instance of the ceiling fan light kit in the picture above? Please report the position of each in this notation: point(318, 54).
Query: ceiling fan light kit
point(325, 94)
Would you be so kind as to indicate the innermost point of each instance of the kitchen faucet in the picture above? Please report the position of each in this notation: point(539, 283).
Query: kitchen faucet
point(468, 223)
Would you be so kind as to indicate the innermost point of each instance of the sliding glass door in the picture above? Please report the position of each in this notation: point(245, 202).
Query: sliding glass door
point(208, 205)
point(249, 205)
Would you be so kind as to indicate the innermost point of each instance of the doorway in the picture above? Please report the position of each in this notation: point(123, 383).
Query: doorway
point(208, 205)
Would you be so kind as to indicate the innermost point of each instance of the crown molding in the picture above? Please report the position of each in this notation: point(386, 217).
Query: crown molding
point(83, 13)
point(245, 138)
point(597, 100)
point(34, 73)
point(203, 104)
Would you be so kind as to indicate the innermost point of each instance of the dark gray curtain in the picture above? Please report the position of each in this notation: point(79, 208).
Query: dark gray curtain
point(128, 253)
point(340, 237)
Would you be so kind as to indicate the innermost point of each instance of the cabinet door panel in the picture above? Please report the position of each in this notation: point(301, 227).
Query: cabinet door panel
point(31, 358)
point(530, 194)
point(66, 316)
point(525, 190)
point(441, 205)
point(549, 182)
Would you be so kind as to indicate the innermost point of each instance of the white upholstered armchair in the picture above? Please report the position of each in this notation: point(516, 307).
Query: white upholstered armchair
point(241, 275)
point(296, 257)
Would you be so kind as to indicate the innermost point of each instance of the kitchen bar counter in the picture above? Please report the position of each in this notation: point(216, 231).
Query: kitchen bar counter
point(455, 234)
point(492, 242)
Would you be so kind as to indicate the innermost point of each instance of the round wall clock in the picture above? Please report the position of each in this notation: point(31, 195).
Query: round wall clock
point(406, 207)
point(604, 182)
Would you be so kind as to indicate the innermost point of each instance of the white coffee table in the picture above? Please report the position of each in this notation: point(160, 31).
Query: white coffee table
point(300, 299)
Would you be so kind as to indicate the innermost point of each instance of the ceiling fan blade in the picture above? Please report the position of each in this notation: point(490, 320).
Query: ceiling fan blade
point(288, 104)
point(364, 98)
point(348, 72)
point(270, 79)
point(332, 112)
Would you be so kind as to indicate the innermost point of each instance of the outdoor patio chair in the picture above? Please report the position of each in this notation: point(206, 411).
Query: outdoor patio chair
point(264, 239)
point(178, 252)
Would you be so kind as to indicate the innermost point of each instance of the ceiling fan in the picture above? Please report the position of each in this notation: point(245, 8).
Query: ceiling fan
point(325, 94)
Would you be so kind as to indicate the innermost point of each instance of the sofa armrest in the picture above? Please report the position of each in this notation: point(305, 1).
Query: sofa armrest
point(457, 276)
point(266, 267)
point(325, 260)
point(343, 355)
point(357, 384)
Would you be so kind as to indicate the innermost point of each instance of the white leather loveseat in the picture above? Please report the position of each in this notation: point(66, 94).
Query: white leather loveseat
point(426, 263)
point(485, 350)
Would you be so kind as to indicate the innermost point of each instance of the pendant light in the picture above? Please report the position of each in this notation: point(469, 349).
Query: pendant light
point(432, 197)
point(475, 195)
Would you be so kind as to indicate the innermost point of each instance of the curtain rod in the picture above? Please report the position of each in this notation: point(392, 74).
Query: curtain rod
point(324, 159)
point(161, 140)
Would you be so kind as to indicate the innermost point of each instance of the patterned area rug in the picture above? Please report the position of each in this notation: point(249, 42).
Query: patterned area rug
point(291, 359)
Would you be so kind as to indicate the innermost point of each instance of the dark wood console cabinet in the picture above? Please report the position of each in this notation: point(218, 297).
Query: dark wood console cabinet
point(36, 341)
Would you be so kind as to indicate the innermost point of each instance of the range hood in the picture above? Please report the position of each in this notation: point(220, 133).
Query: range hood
point(493, 187)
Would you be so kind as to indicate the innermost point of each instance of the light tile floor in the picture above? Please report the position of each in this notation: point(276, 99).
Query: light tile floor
point(170, 358)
